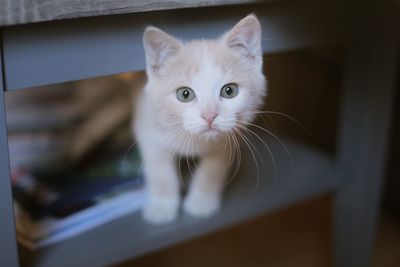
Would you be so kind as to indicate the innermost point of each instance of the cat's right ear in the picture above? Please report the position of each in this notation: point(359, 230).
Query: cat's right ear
point(245, 38)
point(159, 47)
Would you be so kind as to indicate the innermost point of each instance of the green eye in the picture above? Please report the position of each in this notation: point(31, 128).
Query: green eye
point(185, 94)
point(229, 90)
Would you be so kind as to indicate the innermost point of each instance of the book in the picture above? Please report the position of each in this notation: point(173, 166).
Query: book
point(54, 206)
point(68, 150)
point(49, 231)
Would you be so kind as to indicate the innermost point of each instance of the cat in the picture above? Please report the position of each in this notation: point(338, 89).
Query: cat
point(197, 95)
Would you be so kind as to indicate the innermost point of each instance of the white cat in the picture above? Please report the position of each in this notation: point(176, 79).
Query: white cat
point(197, 94)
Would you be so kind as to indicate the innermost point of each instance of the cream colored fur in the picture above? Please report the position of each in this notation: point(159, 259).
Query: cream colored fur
point(167, 128)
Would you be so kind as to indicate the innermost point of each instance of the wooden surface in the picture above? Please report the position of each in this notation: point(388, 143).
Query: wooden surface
point(61, 51)
point(14, 12)
point(311, 173)
point(296, 236)
point(366, 110)
point(8, 245)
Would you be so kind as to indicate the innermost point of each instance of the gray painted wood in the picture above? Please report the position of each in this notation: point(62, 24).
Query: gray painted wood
point(14, 12)
point(8, 246)
point(365, 123)
point(311, 173)
point(71, 50)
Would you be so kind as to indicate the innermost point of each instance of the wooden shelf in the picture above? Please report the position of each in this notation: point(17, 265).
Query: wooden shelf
point(109, 45)
point(21, 12)
point(308, 174)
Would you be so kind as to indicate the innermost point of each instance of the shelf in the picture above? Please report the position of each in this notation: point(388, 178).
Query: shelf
point(309, 173)
point(44, 10)
point(108, 45)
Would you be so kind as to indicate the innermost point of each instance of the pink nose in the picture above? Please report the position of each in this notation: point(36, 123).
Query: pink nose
point(209, 117)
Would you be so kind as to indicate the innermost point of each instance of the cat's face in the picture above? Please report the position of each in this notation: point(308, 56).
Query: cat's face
point(209, 87)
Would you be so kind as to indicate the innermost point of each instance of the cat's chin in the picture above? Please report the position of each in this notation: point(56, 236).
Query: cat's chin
point(211, 133)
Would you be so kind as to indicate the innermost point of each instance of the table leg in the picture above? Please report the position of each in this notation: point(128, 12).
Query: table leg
point(8, 246)
point(365, 126)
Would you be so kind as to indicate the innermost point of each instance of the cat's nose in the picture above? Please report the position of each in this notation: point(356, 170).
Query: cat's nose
point(209, 117)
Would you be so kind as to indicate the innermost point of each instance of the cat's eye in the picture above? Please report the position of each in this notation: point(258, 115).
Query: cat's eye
point(229, 90)
point(185, 94)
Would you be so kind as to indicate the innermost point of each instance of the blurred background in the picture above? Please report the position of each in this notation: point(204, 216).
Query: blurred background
point(80, 131)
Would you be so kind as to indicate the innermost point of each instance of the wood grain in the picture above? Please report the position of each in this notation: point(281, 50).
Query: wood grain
point(14, 12)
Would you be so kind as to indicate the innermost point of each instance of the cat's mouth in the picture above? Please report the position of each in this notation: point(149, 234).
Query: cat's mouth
point(211, 132)
point(210, 129)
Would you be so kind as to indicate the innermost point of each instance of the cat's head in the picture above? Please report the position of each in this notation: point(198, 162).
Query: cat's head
point(206, 87)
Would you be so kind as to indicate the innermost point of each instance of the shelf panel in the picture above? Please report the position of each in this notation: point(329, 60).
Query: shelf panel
point(62, 51)
point(309, 173)
point(44, 10)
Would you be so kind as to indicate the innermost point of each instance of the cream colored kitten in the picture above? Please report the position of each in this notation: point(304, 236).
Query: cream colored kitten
point(196, 94)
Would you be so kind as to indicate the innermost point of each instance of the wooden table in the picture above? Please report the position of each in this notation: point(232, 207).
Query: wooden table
point(75, 41)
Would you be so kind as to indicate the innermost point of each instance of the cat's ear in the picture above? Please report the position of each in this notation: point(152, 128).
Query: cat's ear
point(158, 46)
point(245, 38)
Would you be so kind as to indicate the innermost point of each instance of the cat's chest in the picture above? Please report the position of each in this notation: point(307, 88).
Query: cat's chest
point(190, 145)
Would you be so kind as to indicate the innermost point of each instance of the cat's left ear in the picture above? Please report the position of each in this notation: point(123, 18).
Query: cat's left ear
point(245, 38)
point(159, 47)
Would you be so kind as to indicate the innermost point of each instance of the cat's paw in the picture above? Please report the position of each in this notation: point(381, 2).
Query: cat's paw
point(159, 210)
point(202, 205)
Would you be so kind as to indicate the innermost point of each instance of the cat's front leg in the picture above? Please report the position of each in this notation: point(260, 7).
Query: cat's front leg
point(163, 186)
point(205, 194)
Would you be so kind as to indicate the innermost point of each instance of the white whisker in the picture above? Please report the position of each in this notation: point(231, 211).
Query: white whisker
point(244, 138)
point(284, 115)
point(269, 152)
point(274, 136)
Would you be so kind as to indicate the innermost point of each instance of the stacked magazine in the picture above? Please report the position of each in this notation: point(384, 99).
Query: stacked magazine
point(73, 166)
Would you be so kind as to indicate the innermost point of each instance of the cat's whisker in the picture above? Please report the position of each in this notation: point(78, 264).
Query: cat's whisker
point(229, 159)
point(194, 139)
point(122, 167)
point(239, 155)
point(250, 146)
point(169, 135)
point(269, 152)
point(123, 164)
point(232, 149)
point(170, 155)
point(225, 144)
point(283, 115)
point(236, 149)
point(179, 162)
point(188, 145)
point(268, 121)
point(178, 142)
point(283, 144)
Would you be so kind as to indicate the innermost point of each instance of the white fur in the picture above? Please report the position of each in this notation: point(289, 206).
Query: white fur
point(167, 128)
